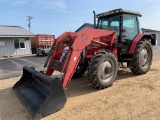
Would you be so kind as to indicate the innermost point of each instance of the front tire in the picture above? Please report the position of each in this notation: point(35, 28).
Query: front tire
point(79, 71)
point(142, 58)
point(102, 69)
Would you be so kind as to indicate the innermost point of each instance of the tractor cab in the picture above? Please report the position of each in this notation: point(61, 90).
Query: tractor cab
point(124, 22)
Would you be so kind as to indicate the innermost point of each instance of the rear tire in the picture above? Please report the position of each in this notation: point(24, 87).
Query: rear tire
point(142, 58)
point(102, 69)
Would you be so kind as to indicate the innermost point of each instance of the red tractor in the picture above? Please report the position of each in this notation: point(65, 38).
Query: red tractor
point(117, 38)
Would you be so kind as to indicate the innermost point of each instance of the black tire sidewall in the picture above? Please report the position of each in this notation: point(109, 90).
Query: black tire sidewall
point(136, 67)
point(113, 60)
point(144, 45)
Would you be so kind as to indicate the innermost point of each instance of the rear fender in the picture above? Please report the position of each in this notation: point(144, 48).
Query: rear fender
point(136, 40)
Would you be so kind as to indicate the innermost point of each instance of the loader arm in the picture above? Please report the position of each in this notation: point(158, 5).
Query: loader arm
point(76, 43)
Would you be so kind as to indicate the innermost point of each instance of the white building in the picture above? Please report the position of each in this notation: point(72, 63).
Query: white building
point(14, 41)
point(154, 33)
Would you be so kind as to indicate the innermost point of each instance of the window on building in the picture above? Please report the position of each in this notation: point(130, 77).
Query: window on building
point(19, 43)
point(16, 43)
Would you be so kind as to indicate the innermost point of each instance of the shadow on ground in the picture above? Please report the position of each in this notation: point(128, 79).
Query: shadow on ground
point(82, 86)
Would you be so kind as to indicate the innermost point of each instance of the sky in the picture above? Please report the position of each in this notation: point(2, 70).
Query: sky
point(59, 16)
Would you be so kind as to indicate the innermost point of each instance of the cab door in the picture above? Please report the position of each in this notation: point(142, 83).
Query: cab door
point(130, 31)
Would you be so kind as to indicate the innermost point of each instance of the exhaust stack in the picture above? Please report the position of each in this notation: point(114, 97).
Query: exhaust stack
point(94, 19)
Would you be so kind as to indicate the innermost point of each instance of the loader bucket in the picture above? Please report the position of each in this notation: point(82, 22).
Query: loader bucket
point(40, 94)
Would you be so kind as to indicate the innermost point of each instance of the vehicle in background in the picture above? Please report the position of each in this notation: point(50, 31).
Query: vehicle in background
point(42, 43)
point(43, 51)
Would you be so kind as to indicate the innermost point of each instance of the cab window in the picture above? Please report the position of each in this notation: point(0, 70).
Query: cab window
point(130, 26)
point(110, 23)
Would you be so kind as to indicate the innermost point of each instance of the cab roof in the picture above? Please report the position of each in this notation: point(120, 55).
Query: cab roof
point(118, 11)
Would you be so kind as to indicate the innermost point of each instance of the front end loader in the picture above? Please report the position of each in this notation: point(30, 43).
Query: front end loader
point(98, 51)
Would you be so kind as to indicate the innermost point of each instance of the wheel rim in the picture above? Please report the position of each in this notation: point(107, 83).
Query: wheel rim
point(144, 55)
point(107, 71)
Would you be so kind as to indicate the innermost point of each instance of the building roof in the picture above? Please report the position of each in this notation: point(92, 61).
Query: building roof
point(14, 31)
point(149, 30)
point(85, 25)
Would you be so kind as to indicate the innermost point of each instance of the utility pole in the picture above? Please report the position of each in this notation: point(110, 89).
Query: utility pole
point(29, 20)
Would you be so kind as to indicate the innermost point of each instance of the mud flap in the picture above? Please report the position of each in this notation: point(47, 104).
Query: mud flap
point(40, 94)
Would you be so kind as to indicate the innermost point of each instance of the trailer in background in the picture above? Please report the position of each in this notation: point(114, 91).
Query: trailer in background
point(42, 43)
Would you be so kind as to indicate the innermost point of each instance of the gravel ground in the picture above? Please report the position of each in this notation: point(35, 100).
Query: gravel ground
point(130, 98)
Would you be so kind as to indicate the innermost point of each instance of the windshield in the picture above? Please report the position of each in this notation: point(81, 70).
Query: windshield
point(109, 23)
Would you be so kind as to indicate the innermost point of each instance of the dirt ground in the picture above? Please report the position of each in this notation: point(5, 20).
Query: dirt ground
point(130, 98)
